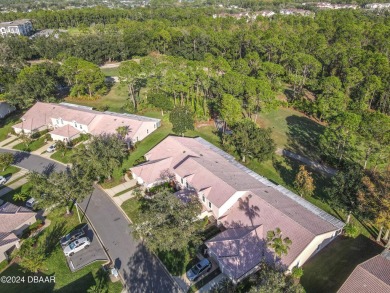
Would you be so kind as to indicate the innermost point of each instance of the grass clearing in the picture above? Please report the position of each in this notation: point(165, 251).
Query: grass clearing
point(293, 130)
point(132, 207)
point(328, 270)
point(63, 158)
point(115, 100)
point(56, 265)
point(114, 71)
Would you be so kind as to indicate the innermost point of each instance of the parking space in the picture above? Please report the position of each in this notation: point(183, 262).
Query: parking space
point(94, 252)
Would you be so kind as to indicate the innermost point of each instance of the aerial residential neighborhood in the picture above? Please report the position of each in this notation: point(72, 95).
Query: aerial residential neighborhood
point(194, 146)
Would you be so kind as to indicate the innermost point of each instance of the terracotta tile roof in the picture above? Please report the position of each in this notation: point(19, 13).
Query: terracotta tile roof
point(254, 210)
point(370, 276)
point(41, 114)
point(6, 238)
point(150, 171)
point(12, 216)
point(238, 250)
point(65, 131)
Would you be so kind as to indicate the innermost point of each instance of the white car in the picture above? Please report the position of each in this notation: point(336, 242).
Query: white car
point(2, 180)
point(31, 202)
point(76, 246)
point(51, 148)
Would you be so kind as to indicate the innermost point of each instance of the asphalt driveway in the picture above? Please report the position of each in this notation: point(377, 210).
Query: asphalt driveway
point(94, 252)
point(140, 270)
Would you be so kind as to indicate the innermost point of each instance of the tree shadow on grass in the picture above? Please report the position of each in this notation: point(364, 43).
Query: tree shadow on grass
point(143, 273)
point(303, 136)
point(288, 168)
point(53, 236)
point(327, 271)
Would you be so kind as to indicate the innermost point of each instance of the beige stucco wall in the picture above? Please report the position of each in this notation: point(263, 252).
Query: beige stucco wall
point(84, 128)
point(4, 248)
point(145, 129)
point(315, 246)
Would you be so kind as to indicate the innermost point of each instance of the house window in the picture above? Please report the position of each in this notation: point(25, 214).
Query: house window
point(187, 185)
point(210, 205)
point(57, 121)
point(181, 180)
point(203, 198)
point(147, 131)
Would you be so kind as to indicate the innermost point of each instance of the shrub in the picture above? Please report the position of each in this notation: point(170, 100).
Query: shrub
point(297, 273)
point(351, 230)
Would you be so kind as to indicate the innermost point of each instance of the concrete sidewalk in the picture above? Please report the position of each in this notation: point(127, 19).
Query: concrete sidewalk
point(121, 187)
point(42, 149)
point(17, 175)
point(8, 140)
point(12, 144)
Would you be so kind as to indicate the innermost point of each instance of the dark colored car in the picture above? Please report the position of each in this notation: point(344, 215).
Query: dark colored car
point(197, 270)
point(72, 236)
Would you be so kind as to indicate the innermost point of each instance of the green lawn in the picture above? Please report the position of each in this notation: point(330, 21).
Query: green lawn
point(33, 146)
point(25, 188)
point(6, 124)
point(9, 171)
point(293, 130)
point(328, 270)
point(114, 100)
point(59, 156)
point(110, 71)
point(131, 208)
point(55, 264)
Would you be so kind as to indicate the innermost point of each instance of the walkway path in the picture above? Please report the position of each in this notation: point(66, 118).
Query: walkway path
point(10, 145)
point(8, 140)
point(209, 285)
point(312, 164)
point(119, 188)
point(42, 149)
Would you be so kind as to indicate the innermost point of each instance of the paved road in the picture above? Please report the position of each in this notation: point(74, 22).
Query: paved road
point(140, 270)
point(34, 162)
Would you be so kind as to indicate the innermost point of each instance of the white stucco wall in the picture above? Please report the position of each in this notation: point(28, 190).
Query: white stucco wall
point(146, 128)
point(230, 202)
point(315, 246)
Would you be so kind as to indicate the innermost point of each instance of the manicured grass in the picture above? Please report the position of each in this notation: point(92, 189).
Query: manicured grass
point(110, 71)
point(328, 270)
point(3, 265)
point(59, 156)
point(293, 130)
point(9, 171)
point(115, 99)
point(131, 207)
point(33, 146)
point(6, 124)
point(25, 189)
point(55, 264)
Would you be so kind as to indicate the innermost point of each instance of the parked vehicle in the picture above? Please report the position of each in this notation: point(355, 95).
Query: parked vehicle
point(2, 180)
point(76, 246)
point(51, 148)
point(199, 269)
point(72, 236)
point(31, 202)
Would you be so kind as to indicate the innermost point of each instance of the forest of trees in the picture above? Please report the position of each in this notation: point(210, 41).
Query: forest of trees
point(334, 67)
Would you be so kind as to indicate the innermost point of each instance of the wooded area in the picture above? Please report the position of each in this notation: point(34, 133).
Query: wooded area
point(334, 68)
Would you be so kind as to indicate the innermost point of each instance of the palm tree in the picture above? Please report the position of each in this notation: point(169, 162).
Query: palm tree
point(19, 197)
point(123, 131)
point(279, 245)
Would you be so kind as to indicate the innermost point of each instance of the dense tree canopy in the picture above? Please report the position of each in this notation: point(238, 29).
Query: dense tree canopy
point(167, 223)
